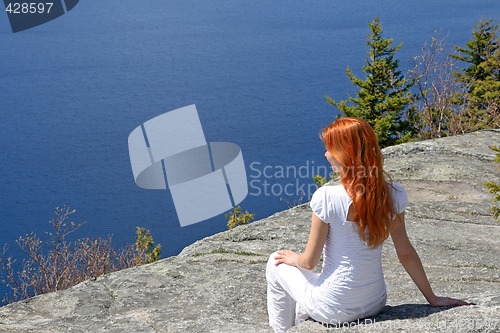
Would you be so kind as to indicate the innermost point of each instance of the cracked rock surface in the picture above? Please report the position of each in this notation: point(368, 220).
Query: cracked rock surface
point(218, 284)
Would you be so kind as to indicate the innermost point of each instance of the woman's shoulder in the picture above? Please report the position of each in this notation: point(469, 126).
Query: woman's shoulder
point(327, 201)
point(399, 196)
point(330, 190)
point(395, 186)
point(330, 194)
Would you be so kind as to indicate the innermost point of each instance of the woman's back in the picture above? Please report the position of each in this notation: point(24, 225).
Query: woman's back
point(352, 279)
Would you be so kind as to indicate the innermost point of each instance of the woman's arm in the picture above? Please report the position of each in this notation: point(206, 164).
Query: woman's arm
point(310, 258)
point(413, 266)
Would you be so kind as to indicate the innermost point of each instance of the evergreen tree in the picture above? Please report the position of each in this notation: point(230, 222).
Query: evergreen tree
point(478, 50)
point(383, 97)
point(481, 77)
point(145, 247)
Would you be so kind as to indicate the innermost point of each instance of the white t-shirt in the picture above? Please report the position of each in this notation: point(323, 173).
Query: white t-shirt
point(352, 280)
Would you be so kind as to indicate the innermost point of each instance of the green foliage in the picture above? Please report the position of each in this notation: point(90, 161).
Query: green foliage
point(319, 180)
point(494, 188)
point(145, 247)
point(236, 217)
point(481, 47)
point(451, 101)
point(383, 97)
point(480, 77)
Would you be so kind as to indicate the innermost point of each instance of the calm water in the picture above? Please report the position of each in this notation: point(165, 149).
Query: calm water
point(73, 89)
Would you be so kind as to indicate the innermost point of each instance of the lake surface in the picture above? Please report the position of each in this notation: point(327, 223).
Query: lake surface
point(73, 89)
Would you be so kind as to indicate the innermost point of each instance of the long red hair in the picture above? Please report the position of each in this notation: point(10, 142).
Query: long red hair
point(353, 143)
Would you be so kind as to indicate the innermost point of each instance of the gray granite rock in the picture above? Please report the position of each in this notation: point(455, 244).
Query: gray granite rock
point(218, 284)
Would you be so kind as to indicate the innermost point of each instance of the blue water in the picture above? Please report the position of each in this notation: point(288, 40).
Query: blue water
point(73, 89)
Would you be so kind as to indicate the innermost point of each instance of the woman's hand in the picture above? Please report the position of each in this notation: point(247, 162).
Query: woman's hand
point(447, 301)
point(287, 257)
point(310, 258)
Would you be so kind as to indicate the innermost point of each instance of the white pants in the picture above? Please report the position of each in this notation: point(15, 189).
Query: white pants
point(292, 298)
point(289, 295)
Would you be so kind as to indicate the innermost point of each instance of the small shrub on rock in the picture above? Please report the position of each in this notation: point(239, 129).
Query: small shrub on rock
point(236, 217)
point(494, 188)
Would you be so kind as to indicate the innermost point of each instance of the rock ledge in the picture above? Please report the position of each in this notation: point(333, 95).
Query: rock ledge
point(218, 283)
